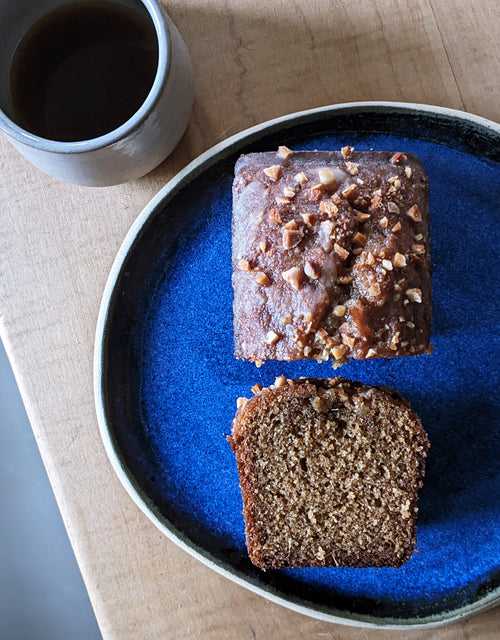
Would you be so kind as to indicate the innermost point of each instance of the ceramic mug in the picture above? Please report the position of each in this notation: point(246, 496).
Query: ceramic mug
point(134, 148)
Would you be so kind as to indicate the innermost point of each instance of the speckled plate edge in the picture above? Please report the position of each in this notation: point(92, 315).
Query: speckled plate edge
point(193, 169)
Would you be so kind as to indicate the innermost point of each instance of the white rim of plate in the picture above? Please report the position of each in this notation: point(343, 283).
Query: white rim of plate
point(192, 170)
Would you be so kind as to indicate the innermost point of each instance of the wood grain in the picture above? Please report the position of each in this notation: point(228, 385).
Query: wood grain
point(252, 60)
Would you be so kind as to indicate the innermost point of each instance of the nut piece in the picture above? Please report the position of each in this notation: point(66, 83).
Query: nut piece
point(341, 252)
point(273, 172)
point(294, 277)
point(262, 279)
point(359, 238)
point(244, 265)
point(263, 246)
point(346, 151)
point(274, 216)
point(284, 152)
point(291, 238)
point(408, 172)
point(288, 192)
point(272, 337)
point(361, 216)
point(387, 264)
point(371, 353)
point(324, 234)
point(320, 405)
point(398, 157)
point(352, 168)
point(399, 260)
point(383, 222)
point(419, 249)
point(328, 207)
point(301, 178)
point(392, 207)
point(308, 218)
point(339, 311)
point(311, 270)
point(327, 178)
point(257, 388)
point(397, 227)
point(292, 224)
point(241, 402)
point(415, 295)
point(339, 351)
point(279, 382)
point(414, 213)
point(280, 200)
point(350, 192)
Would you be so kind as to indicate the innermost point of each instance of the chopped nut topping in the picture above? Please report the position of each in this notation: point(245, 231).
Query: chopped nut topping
point(316, 192)
point(397, 227)
point(284, 152)
point(395, 181)
point(339, 311)
point(291, 238)
point(257, 388)
point(419, 249)
point(291, 224)
point(398, 157)
point(241, 402)
point(399, 260)
point(370, 259)
point(327, 178)
point(320, 405)
point(311, 270)
point(347, 151)
point(359, 238)
point(371, 353)
point(419, 236)
point(344, 279)
point(393, 345)
point(308, 218)
point(387, 264)
point(352, 168)
point(340, 251)
point(392, 207)
point(362, 217)
point(244, 265)
point(408, 172)
point(374, 290)
point(415, 295)
point(307, 351)
point(294, 277)
point(274, 216)
point(262, 279)
point(350, 341)
point(328, 207)
point(383, 222)
point(280, 381)
point(258, 363)
point(288, 192)
point(263, 246)
point(339, 351)
point(414, 213)
point(272, 337)
point(273, 172)
point(280, 200)
point(324, 234)
point(301, 178)
point(410, 324)
point(376, 200)
point(350, 192)
point(287, 318)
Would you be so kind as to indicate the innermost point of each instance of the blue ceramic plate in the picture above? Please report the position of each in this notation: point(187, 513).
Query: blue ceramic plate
point(166, 379)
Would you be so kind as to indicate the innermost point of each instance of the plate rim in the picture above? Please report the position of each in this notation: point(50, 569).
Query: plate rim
point(185, 175)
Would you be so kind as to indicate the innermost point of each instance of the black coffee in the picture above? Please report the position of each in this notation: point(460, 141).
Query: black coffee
point(83, 70)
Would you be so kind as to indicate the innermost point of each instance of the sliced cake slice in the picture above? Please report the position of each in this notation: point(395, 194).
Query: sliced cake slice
point(329, 473)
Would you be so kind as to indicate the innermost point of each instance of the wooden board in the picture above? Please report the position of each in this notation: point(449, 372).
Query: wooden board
point(252, 60)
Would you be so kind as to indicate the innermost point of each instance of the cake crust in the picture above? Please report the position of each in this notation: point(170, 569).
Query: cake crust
point(330, 256)
point(329, 473)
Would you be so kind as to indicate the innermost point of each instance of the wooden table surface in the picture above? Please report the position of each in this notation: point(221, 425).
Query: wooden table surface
point(253, 60)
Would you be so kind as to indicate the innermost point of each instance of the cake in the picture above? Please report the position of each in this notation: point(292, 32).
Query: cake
point(329, 473)
point(330, 255)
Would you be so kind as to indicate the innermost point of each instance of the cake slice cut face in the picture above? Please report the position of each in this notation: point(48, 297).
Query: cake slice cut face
point(329, 473)
point(330, 256)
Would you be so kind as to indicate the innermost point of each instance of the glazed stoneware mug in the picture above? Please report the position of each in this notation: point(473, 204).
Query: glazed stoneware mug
point(132, 149)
